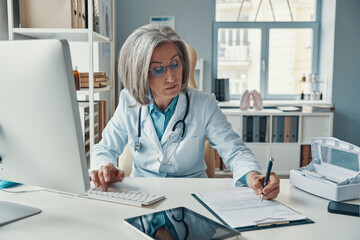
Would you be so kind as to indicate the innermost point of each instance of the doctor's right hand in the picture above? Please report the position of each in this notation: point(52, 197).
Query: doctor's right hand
point(106, 175)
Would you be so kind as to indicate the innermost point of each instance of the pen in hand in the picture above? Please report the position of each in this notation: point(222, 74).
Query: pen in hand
point(270, 164)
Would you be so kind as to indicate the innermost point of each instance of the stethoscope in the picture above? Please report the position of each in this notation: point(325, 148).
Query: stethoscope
point(138, 144)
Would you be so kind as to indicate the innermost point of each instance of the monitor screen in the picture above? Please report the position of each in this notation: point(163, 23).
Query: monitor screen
point(41, 139)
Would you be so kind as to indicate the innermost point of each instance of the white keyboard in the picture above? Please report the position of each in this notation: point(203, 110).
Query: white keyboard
point(123, 196)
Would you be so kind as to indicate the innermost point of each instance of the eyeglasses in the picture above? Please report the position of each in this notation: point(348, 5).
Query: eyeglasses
point(175, 65)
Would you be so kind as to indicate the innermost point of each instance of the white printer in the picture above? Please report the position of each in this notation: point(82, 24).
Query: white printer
point(334, 172)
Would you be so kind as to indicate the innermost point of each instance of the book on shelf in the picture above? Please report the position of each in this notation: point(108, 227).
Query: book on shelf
point(306, 155)
point(222, 89)
point(96, 84)
point(317, 108)
point(96, 79)
point(100, 79)
point(96, 74)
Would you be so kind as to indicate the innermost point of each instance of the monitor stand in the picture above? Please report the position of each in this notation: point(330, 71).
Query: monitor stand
point(11, 212)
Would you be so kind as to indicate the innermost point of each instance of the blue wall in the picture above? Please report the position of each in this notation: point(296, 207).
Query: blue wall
point(346, 72)
point(193, 22)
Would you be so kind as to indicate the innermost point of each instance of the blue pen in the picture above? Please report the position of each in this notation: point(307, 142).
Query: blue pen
point(271, 161)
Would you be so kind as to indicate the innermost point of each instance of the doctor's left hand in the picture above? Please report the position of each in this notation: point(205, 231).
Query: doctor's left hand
point(106, 175)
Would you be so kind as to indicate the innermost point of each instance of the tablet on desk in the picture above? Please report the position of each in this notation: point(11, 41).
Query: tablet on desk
point(180, 223)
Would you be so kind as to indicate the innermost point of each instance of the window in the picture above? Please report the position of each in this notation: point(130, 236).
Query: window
point(266, 45)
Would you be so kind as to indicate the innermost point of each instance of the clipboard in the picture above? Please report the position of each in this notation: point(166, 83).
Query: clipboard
point(258, 224)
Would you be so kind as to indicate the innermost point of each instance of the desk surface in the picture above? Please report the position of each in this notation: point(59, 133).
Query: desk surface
point(68, 217)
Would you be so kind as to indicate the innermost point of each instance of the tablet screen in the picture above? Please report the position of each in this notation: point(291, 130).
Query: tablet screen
point(180, 223)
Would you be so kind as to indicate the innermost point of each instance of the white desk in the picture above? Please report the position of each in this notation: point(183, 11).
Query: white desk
point(64, 217)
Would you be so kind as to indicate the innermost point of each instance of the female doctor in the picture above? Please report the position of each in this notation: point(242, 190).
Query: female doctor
point(165, 122)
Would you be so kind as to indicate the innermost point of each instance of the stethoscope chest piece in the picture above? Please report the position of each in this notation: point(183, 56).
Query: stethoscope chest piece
point(137, 145)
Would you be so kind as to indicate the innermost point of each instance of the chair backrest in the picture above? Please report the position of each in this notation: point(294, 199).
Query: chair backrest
point(125, 159)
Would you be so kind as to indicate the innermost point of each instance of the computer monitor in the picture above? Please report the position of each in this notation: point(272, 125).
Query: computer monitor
point(41, 139)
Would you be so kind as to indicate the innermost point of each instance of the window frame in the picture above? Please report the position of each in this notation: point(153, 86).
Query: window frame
point(264, 58)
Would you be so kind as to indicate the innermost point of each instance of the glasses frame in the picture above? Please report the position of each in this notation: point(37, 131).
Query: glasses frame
point(182, 61)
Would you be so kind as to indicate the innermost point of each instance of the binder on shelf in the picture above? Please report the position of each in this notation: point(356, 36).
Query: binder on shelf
point(294, 128)
point(79, 14)
point(287, 128)
point(256, 129)
point(83, 13)
point(267, 133)
point(74, 11)
point(222, 89)
point(275, 129)
point(280, 129)
point(263, 128)
point(249, 129)
point(96, 16)
point(244, 129)
point(46, 14)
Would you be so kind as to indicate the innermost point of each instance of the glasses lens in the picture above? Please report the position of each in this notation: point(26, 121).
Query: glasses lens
point(158, 71)
point(175, 65)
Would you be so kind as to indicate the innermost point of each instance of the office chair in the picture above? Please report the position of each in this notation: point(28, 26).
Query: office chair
point(125, 159)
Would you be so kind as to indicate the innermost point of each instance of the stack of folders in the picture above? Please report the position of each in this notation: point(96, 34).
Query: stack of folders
point(100, 79)
point(285, 129)
point(317, 108)
point(256, 129)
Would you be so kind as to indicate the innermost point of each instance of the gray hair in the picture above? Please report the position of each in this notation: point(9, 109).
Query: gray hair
point(135, 57)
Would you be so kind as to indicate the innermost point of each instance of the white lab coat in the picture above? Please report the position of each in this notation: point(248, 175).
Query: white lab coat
point(205, 119)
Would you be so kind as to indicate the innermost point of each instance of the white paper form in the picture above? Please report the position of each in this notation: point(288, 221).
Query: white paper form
point(241, 207)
